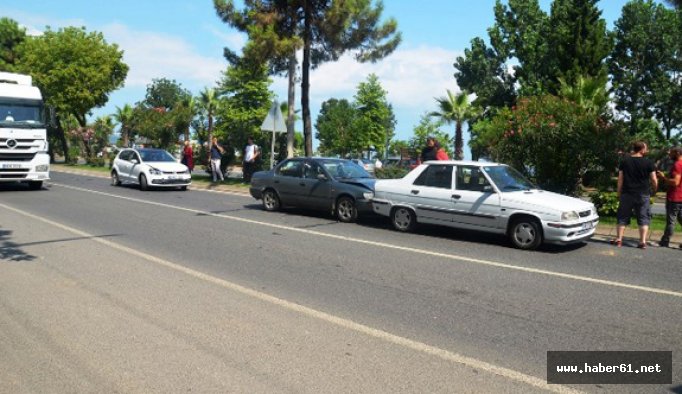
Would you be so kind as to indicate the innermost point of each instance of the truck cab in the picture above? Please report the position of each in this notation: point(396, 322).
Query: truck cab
point(23, 133)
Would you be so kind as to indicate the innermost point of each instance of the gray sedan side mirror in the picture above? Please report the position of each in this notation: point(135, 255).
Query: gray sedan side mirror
point(321, 177)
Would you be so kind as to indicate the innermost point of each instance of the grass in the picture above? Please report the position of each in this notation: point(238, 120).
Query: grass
point(657, 222)
point(237, 182)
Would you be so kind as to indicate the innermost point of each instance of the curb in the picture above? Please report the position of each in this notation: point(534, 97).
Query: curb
point(217, 188)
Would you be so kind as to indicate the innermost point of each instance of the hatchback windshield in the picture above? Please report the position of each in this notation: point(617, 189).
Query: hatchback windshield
point(344, 169)
point(22, 114)
point(155, 155)
point(508, 179)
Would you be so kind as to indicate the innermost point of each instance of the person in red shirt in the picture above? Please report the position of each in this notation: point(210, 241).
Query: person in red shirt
point(188, 156)
point(441, 154)
point(673, 201)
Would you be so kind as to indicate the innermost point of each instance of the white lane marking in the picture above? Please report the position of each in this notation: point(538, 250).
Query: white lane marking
point(338, 321)
point(489, 263)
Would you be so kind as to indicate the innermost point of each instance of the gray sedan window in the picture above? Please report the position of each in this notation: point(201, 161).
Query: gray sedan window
point(291, 168)
point(311, 170)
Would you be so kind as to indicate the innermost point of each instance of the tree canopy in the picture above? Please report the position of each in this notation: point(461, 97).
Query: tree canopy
point(11, 36)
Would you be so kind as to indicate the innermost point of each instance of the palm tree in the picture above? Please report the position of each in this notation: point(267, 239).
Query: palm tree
point(189, 104)
point(124, 117)
point(456, 109)
point(208, 102)
point(588, 93)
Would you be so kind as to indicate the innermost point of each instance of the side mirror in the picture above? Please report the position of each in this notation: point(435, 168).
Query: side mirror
point(321, 177)
point(488, 189)
point(134, 161)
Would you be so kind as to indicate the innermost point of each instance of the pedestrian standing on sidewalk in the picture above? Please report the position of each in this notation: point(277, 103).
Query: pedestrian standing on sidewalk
point(251, 154)
point(636, 179)
point(188, 156)
point(216, 153)
point(673, 201)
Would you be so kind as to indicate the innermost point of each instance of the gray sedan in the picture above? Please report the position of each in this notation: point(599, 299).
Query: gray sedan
point(334, 185)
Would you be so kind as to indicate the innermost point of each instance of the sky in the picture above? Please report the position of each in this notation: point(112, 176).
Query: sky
point(184, 40)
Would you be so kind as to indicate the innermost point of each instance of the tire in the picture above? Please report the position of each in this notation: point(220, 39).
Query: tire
point(346, 211)
point(526, 233)
point(183, 188)
point(35, 185)
point(403, 219)
point(270, 201)
point(144, 186)
point(115, 180)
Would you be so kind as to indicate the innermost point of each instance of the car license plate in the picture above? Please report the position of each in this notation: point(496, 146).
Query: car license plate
point(11, 166)
point(587, 226)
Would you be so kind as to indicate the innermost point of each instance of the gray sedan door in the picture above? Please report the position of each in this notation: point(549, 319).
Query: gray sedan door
point(315, 192)
point(287, 181)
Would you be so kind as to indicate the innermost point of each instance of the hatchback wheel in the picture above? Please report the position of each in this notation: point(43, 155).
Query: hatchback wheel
point(526, 233)
point(115, 181)
point(270, 201)
point(143, 182)
point(403, 219)
point(345, 210)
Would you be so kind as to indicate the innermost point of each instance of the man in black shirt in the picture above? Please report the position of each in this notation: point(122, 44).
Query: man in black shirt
point(430, 150)
point(636, 178)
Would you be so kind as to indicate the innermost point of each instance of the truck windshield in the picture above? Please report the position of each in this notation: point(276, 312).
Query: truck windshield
point(22, 114)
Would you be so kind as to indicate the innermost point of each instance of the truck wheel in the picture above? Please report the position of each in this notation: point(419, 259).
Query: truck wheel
point(143, 183)
point(35, 185)
point(526, 233)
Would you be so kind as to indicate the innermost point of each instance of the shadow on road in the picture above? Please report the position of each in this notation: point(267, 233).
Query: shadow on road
point(12, 251)
point(371, 220)
point(19, 187)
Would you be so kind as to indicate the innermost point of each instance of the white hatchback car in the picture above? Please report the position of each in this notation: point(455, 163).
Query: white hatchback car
point(485, 197)
point(149, 168)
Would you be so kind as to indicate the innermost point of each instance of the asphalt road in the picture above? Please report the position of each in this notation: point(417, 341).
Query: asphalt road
point(114, 289)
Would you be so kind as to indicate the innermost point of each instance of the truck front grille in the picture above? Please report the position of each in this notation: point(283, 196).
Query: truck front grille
point(16, 156)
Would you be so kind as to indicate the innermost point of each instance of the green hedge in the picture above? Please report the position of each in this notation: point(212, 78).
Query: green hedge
point(390, 172)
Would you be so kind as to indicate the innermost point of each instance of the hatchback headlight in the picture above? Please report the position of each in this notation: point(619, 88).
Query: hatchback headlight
point(154, 171)
point(368, 195)
point(571, 215)
point(42, 168)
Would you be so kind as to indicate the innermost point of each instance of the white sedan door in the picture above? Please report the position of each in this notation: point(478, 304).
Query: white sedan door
point(477, 204)
point(431, 195)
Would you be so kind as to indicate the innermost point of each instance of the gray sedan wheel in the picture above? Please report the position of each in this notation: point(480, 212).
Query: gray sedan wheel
point(270, 201)
point(526, 234)
point(345, 210)
point(403, 219)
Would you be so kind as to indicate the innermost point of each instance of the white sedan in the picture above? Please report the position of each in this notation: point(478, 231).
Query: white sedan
point(487, 197)
point(149, 168)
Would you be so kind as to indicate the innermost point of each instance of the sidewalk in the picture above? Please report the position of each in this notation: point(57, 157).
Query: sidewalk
point(603, 232)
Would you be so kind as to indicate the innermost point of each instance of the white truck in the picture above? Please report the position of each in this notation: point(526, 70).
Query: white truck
point(23, 133)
